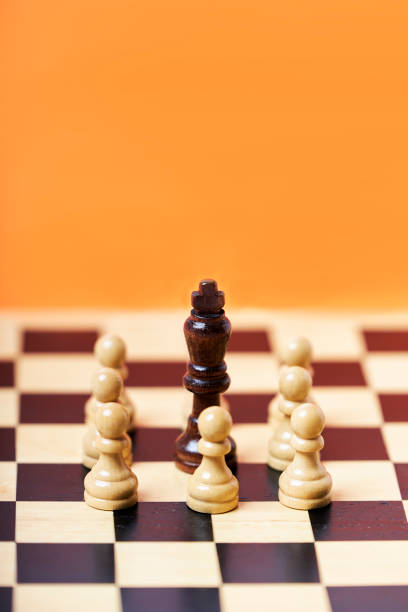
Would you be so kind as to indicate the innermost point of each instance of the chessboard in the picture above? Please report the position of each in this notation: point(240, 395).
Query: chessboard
point(58, 554)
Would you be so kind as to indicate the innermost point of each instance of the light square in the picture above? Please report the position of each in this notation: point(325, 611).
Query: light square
point(387, 372)
point(159, 407)
point(363, 563)
point(52, 522)
point(167, 564)
point(252, 441)
point(7, 563)
point(63, 373)
point(252, 372)
point(363, 480)
point(386, 319)
point(332, 337)
point(59, 319)
point(50, 443)
point(65, 598)
point(8, 407)
point(9, 338)
point(280, 597)
point(262, 522)
point(348, 407)
point(396, 440)
point(8, 480)
point(160, 481)
point(153, 335)
point(251, 318)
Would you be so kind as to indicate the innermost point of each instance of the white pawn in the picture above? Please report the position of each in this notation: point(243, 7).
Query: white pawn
point(110, 351)
point(296, 352)
point(294, 386)
point(212, 488)
point(111, 485)
point(306, 484)
point(106, 387)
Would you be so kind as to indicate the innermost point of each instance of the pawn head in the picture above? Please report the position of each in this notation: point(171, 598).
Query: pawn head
point(307, 421)
point(295, 383)
point(214, 424)
point(111, 420)
point(297, 351)
point(110, 351)
point(106, 385)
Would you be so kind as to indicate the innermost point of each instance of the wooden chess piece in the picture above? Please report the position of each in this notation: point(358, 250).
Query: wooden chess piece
point(111, 485)
point(187, 407)
point(207, 331)
point(212, 488)
point(297, 351)
point(110, 351)
point(106, 387)
point(294, 386)
point(306, 484)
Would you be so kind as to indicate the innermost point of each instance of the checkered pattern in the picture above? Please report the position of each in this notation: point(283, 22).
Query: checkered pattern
point(58, 554)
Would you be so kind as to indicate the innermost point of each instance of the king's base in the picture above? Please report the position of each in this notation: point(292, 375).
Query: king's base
point(211, 507)
point(110, 504)
point(303, 504)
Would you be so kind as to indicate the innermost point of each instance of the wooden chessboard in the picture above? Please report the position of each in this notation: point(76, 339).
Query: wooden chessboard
point(58, 554)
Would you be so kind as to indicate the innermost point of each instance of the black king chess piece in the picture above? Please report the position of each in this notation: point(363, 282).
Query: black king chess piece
point(207, 331)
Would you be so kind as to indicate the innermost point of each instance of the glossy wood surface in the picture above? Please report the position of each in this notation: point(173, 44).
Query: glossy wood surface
point(207, 331)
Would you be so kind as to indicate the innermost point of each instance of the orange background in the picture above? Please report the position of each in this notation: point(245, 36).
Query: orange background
point(147, 144)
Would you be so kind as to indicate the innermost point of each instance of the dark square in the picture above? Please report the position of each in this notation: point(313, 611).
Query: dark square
point(257, 482)
point(7, 521)
point(52, 407)
point(6, 374)
point(155, 373)
point(65, 563)
point(402, 476)
point(249, 341)
point(6, 599)
point(249, 407)
point(338, 374)
point(154, 444)
point(369, 598)
point(353, 444)
point(394, 406)
point(50, 482)
point(53, 341)
point(162, 522)
point(268, 562)
point(360, 520)
point(7, 444)
point(386, 340)
point(170, 600)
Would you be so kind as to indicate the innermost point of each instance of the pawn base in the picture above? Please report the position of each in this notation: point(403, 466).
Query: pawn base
point(131, 428)
point(88, 461)
point(211, 507)
point(110, 504)
point(303, 504)
point(131, 410)
point(278, 464)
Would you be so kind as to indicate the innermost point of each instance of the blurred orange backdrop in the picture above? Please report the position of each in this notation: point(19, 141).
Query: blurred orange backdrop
point(145, 145)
